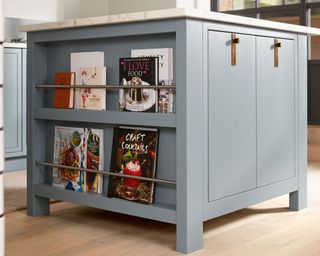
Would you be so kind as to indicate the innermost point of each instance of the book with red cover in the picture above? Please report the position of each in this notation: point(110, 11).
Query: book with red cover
point(63, 97)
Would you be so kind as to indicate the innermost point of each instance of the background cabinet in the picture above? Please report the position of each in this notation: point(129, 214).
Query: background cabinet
point(15, 105)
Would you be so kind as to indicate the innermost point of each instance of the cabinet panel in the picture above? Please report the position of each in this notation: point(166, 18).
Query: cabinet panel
point(24, 102)
point(13, 102)
point(231, 115)
point(275, 111)
point(1, 64)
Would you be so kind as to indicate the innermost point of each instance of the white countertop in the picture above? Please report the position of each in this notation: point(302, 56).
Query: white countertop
point(14, 45)
point(170, 14)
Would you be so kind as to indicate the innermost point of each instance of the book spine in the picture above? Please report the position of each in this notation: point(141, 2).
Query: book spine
point(101, 163)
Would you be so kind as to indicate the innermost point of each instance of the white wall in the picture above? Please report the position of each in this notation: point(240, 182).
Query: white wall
point(72, 9)
point(198, 4)
point(32, 9)
point(52, 10)
point(124, 6)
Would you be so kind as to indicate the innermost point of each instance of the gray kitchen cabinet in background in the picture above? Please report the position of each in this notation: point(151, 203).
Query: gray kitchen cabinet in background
point(15, 108)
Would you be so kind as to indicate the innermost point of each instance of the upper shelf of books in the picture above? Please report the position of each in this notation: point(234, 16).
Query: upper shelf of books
point(170, 14)
point(145, 83)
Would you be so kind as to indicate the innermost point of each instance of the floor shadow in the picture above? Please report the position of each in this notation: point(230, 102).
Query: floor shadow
point(239, 215)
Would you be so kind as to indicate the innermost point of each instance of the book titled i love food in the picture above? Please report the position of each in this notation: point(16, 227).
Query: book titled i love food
point(138, 74)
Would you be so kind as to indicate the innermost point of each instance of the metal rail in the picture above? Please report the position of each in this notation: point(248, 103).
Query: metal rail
point(171, 182)
point(113, 87)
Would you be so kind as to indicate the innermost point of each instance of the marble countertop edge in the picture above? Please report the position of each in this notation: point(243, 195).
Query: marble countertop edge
point(170, 14)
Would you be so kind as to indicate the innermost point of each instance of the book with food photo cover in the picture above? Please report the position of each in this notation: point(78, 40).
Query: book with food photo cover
point(92, 98)
point(93, 181)
point(138, 72)
point(64, 97)
point(134, 152)
point(69, 150)
point(165, 56)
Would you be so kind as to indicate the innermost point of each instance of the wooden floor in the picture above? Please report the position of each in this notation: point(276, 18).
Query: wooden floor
point(268, 229)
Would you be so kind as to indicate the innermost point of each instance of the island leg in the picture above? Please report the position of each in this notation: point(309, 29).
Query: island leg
point(298, 199)
point(189, 136)
point(37, 131)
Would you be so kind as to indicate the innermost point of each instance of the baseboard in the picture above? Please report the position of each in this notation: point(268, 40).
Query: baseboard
point(14, 164)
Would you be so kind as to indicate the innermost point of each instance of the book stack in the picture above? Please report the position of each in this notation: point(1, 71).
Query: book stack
point(145, 67)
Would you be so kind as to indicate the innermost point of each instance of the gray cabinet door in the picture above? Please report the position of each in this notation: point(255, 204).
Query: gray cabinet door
point(275, 111)
point(13, 103)
point(232, 115)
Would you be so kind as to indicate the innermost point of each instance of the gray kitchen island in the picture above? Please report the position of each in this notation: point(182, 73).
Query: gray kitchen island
point(238, 135)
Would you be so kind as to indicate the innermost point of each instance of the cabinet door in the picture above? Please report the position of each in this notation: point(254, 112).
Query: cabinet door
point(232, 115)
point(13, 102)
point(275, 111)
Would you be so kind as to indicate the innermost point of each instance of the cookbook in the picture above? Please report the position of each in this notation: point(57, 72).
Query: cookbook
point(165, 56)
point(137, 72)
point(69, 150)
point(63, 97)
point(92, 98)
point(134, 152)
point(93, 181)
point(80, 60)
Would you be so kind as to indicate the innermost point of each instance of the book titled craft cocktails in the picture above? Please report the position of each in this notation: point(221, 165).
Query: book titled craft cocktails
point(134, 153)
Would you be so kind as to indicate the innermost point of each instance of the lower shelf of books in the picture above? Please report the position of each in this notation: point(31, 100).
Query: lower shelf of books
point(156, 211)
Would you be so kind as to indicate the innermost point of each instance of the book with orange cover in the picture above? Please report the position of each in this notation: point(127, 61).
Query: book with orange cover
point(63, 97)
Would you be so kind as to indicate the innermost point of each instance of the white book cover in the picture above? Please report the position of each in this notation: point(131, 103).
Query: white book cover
point(165, 55)
point(84, 59)
point(92, 98)
point(69, 150)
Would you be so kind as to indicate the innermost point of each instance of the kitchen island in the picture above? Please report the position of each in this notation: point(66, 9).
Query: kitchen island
point(239, 132)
